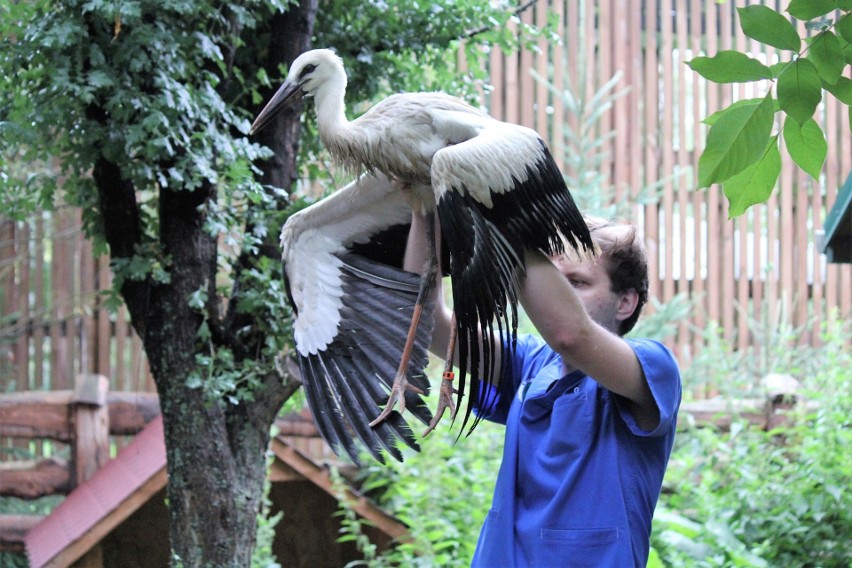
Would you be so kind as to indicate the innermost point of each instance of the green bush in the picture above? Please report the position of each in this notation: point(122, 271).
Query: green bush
point(748, 497)
point(441, 493)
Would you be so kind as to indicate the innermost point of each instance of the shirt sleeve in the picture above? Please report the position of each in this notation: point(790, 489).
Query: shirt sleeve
point(663, 376)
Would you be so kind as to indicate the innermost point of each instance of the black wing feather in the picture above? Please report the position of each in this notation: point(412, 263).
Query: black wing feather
point(486, 258)
point(347, 381)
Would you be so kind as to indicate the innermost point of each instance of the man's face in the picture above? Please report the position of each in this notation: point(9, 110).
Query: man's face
point(592, 285)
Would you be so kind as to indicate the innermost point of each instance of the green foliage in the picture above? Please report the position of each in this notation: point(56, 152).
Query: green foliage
point(740, 150)
point(262, 556)
point(441, 494)
point(753, 498)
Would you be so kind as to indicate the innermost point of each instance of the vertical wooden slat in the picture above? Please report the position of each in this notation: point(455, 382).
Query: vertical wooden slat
point(651, 99)
point(526, 112)
point(38, 381)
point(495, 65)
point(7, 300)
point(667, 132)
point(511, 81)
point(628, 171)
point(89, 334)
point(803, 245)
point(542, 67)
point(603, 67)
point(727, 244)
point(23, 252)
point(699, 210)
point(120, 372)
point(72, 241)
point(559, 63)
point(105, 335)
point(685, 244)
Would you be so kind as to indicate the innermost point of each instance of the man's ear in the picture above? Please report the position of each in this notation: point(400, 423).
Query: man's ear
point(627, 304)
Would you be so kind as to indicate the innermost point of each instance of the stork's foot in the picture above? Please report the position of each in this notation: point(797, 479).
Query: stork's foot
point(445, 401)
point(397, 396)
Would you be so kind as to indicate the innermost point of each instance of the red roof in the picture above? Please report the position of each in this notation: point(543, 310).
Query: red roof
point(92, 502)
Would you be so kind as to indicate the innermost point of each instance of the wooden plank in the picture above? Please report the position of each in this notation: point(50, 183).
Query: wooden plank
point(35, 414)
point(558, 145)
point(129, 412)
point(45, 414)
point(39, 309)
point(22, 259)
point(105, 333)
point(542, 93)
point(686, 251)
point(628, 118)
point(88, 332)
point(35, 478)
point(526, 87)
point(90, 419)
point(511, 80)
point(651, 99)
point(9, 288)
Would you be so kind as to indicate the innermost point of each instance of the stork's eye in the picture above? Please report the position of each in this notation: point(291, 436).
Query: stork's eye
point(307, 70)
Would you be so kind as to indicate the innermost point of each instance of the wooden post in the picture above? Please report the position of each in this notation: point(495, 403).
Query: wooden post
point(90, 446)
point(90, 419)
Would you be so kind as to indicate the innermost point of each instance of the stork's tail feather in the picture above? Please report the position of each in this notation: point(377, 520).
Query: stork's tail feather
point(346, 383)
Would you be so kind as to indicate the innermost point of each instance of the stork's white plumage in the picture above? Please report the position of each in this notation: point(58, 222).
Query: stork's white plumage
point(494, 185)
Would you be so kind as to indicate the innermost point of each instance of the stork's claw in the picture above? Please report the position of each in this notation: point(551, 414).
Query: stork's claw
point(397, 395)
point(445, 401)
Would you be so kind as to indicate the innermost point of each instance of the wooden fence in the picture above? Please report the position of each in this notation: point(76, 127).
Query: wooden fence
point(759, 266)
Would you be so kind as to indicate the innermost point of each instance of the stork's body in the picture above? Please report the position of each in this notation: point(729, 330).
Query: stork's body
point(494, 186)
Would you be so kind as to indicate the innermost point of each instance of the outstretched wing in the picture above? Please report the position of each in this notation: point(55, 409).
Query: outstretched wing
point(353, 310)
point(498, 192)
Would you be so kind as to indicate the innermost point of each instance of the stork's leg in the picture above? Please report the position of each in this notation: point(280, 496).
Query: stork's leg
point(447, 392)
point(427, 282)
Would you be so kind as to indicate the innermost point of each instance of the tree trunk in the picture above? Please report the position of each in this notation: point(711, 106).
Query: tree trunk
point(215, 451)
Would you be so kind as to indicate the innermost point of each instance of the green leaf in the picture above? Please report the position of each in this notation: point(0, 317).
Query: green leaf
point(809, 9)
point(799, 90)
point(711, 120)
point(806, 145)
point(826, 53)
point(778, 68)
point(843, 27)
point(754, 184)
point(842, 90)
point(735, 141)
point(768, 26)
point(730, 67)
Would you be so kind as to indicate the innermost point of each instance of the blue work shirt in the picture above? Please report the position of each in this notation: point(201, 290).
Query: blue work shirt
point(579, 479)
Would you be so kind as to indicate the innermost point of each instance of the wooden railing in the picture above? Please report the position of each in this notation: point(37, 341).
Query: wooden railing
point(83, 418)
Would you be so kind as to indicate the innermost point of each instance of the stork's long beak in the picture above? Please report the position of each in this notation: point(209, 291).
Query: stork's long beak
point(286, 95)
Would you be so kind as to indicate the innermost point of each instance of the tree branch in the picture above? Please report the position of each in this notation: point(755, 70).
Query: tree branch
point(475, 32)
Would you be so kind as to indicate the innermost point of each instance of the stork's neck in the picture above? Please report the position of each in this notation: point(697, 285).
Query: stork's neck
point(331, 112)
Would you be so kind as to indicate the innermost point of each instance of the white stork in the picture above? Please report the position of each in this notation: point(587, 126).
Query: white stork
point(496, 190)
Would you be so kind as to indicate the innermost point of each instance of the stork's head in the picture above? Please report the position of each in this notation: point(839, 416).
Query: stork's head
point(308, 73)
